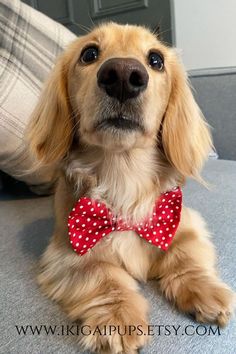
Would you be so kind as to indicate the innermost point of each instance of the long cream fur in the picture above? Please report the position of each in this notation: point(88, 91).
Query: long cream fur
point(128, 173)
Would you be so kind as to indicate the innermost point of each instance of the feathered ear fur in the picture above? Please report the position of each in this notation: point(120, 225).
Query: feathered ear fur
point(50, 130)
point(186, 138)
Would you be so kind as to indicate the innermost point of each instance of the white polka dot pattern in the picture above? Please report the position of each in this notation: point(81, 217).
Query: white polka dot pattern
point(90, 221)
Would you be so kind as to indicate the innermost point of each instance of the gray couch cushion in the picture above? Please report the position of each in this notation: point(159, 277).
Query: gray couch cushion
point(26, 225)
point(215, 93)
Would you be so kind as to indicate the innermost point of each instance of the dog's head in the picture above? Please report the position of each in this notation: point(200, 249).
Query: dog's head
point(120, 88)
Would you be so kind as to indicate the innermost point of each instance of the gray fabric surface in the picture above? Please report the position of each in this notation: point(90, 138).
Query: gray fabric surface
point(26, 225)
point(215, 94)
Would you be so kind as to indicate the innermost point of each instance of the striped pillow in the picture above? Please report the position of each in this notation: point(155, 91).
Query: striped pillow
point(30, 43)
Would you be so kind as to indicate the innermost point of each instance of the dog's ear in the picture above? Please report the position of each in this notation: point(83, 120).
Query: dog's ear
point(50, 130)
point(186, 138)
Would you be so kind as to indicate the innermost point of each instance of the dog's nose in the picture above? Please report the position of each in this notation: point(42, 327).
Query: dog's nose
point(122, 78)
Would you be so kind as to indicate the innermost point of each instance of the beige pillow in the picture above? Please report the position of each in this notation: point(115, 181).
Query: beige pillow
point(30, 43)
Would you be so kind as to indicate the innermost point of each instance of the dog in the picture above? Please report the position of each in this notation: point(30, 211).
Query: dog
point(118, 118)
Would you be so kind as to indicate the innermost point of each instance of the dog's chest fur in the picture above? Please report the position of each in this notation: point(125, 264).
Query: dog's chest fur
point(128, 183)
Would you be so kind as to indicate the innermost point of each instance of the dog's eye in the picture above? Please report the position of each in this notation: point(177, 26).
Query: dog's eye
point(156, 61)
point(89, 55)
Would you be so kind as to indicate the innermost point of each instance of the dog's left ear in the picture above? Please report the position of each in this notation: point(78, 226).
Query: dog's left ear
point(186, 138)
point(50, 130)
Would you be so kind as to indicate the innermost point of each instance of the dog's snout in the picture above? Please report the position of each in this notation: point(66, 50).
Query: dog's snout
point(122, 78)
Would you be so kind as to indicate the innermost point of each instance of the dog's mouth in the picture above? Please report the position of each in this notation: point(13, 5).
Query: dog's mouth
point(119, 122)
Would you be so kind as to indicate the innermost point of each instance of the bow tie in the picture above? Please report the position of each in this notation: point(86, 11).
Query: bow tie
point(90, 220)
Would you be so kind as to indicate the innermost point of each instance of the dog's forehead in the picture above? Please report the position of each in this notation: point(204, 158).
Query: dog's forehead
point(124, 37)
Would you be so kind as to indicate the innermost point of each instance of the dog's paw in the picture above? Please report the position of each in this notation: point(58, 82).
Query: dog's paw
point(116, 344)
point(212, 302)
point(121, 329)
point(122, 340)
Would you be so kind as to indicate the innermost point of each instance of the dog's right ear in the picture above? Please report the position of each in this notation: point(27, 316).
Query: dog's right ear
point(186, 137)
point(50, 130)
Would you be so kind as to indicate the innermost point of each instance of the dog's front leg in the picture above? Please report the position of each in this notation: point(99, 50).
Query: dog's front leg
point(187, 273)
point(102, 295)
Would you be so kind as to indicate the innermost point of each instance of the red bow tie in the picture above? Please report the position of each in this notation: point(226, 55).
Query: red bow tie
point(90, 220)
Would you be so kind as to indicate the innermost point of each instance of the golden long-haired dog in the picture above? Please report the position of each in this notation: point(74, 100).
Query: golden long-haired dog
point(119, 119)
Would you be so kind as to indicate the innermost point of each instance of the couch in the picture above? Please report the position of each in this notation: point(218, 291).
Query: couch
point(26, 225)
